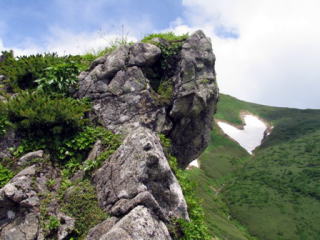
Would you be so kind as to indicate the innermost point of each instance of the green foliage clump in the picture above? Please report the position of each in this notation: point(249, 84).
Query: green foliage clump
point(22, 72)
point(48, 71)
point(59, 78)
point(4, 122)
point(82, 204)
point(169, 36)
point(38, 114)
point(195, 229)
point(73, 150)
point(5, 175)
point(53, 223)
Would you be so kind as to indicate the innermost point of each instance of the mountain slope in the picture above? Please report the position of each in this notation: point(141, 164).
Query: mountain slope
point(275, 193)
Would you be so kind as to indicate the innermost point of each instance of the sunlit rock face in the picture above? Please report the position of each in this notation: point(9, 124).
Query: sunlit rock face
point(250, 136)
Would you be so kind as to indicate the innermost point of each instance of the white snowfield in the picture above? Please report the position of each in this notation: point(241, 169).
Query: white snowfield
point(194, 163)
point(250, 136)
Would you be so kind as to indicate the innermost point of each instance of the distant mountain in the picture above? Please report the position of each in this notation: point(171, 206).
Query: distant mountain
point(273, 194)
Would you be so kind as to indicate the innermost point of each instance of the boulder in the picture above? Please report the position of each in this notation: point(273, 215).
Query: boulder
point(140, 223)
point(138, 176)
point(29, 157)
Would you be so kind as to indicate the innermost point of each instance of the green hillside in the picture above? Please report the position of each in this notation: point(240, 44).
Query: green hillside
point(274, 194)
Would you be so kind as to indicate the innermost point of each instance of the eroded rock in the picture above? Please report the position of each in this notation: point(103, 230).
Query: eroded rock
point(195, 98)
point(119, 85)
point(140, 223)
point(136, 175)
point(20, 202)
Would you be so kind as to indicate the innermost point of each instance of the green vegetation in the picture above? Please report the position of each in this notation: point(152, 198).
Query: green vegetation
point(5, 175)
point(4, 122)
point(39, 114)
point(82, 204)
point(275, 193)
point(23, 72)
point(59, 78)
point(46, 117)
point(195, 229)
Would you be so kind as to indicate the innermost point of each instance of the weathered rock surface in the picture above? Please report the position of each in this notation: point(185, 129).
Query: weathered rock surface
point(195, 98)
point(29, 157)
point(140, 223)
point(20, 202)
point(123, 97)
point(136, 175)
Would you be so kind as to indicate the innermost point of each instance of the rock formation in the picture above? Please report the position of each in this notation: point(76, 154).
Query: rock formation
point(123, 97)
point(135, 185)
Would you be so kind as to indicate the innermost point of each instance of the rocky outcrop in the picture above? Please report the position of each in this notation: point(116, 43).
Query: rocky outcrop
point(119, 85)
point(195, 98)
point(20, 202)
point(137, 186)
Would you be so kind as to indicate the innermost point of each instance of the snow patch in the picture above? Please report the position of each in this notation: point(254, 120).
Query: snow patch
point(194, 163)
point(250, 136)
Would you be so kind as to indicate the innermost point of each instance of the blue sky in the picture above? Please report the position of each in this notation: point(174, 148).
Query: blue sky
point(268, 51)
point(32, 20)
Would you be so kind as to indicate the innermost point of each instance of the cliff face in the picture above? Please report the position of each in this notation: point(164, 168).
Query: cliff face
point(135, 186)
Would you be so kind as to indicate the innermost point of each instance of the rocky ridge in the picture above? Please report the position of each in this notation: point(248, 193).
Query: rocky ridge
point(135, 186)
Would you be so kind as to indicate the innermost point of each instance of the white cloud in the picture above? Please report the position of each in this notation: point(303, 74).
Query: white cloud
point(65, 42)
point(276, 58)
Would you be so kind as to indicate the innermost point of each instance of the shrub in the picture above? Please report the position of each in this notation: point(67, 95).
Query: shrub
point(22, 72)
point(59, 78)
point(74, 150)
point(5, 175)
point(4, 122)
point(82, 204)
point(50, 118)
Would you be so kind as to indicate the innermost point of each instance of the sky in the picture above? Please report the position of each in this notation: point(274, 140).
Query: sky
point(267, 51)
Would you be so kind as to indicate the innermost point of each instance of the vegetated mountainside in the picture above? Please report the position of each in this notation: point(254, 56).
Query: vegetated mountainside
point(97, 149)
point(275, 193)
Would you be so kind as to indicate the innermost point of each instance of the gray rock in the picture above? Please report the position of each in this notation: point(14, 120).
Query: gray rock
point(127, 102)
point(137, 186)
point(143, 54)
point(140, 224)
point(19, 203)
point(124, 99)
point(29, 157)
point(24, 228)
point(138, 174)
point(195, 98)
point(96, 232)
point(66, 227)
